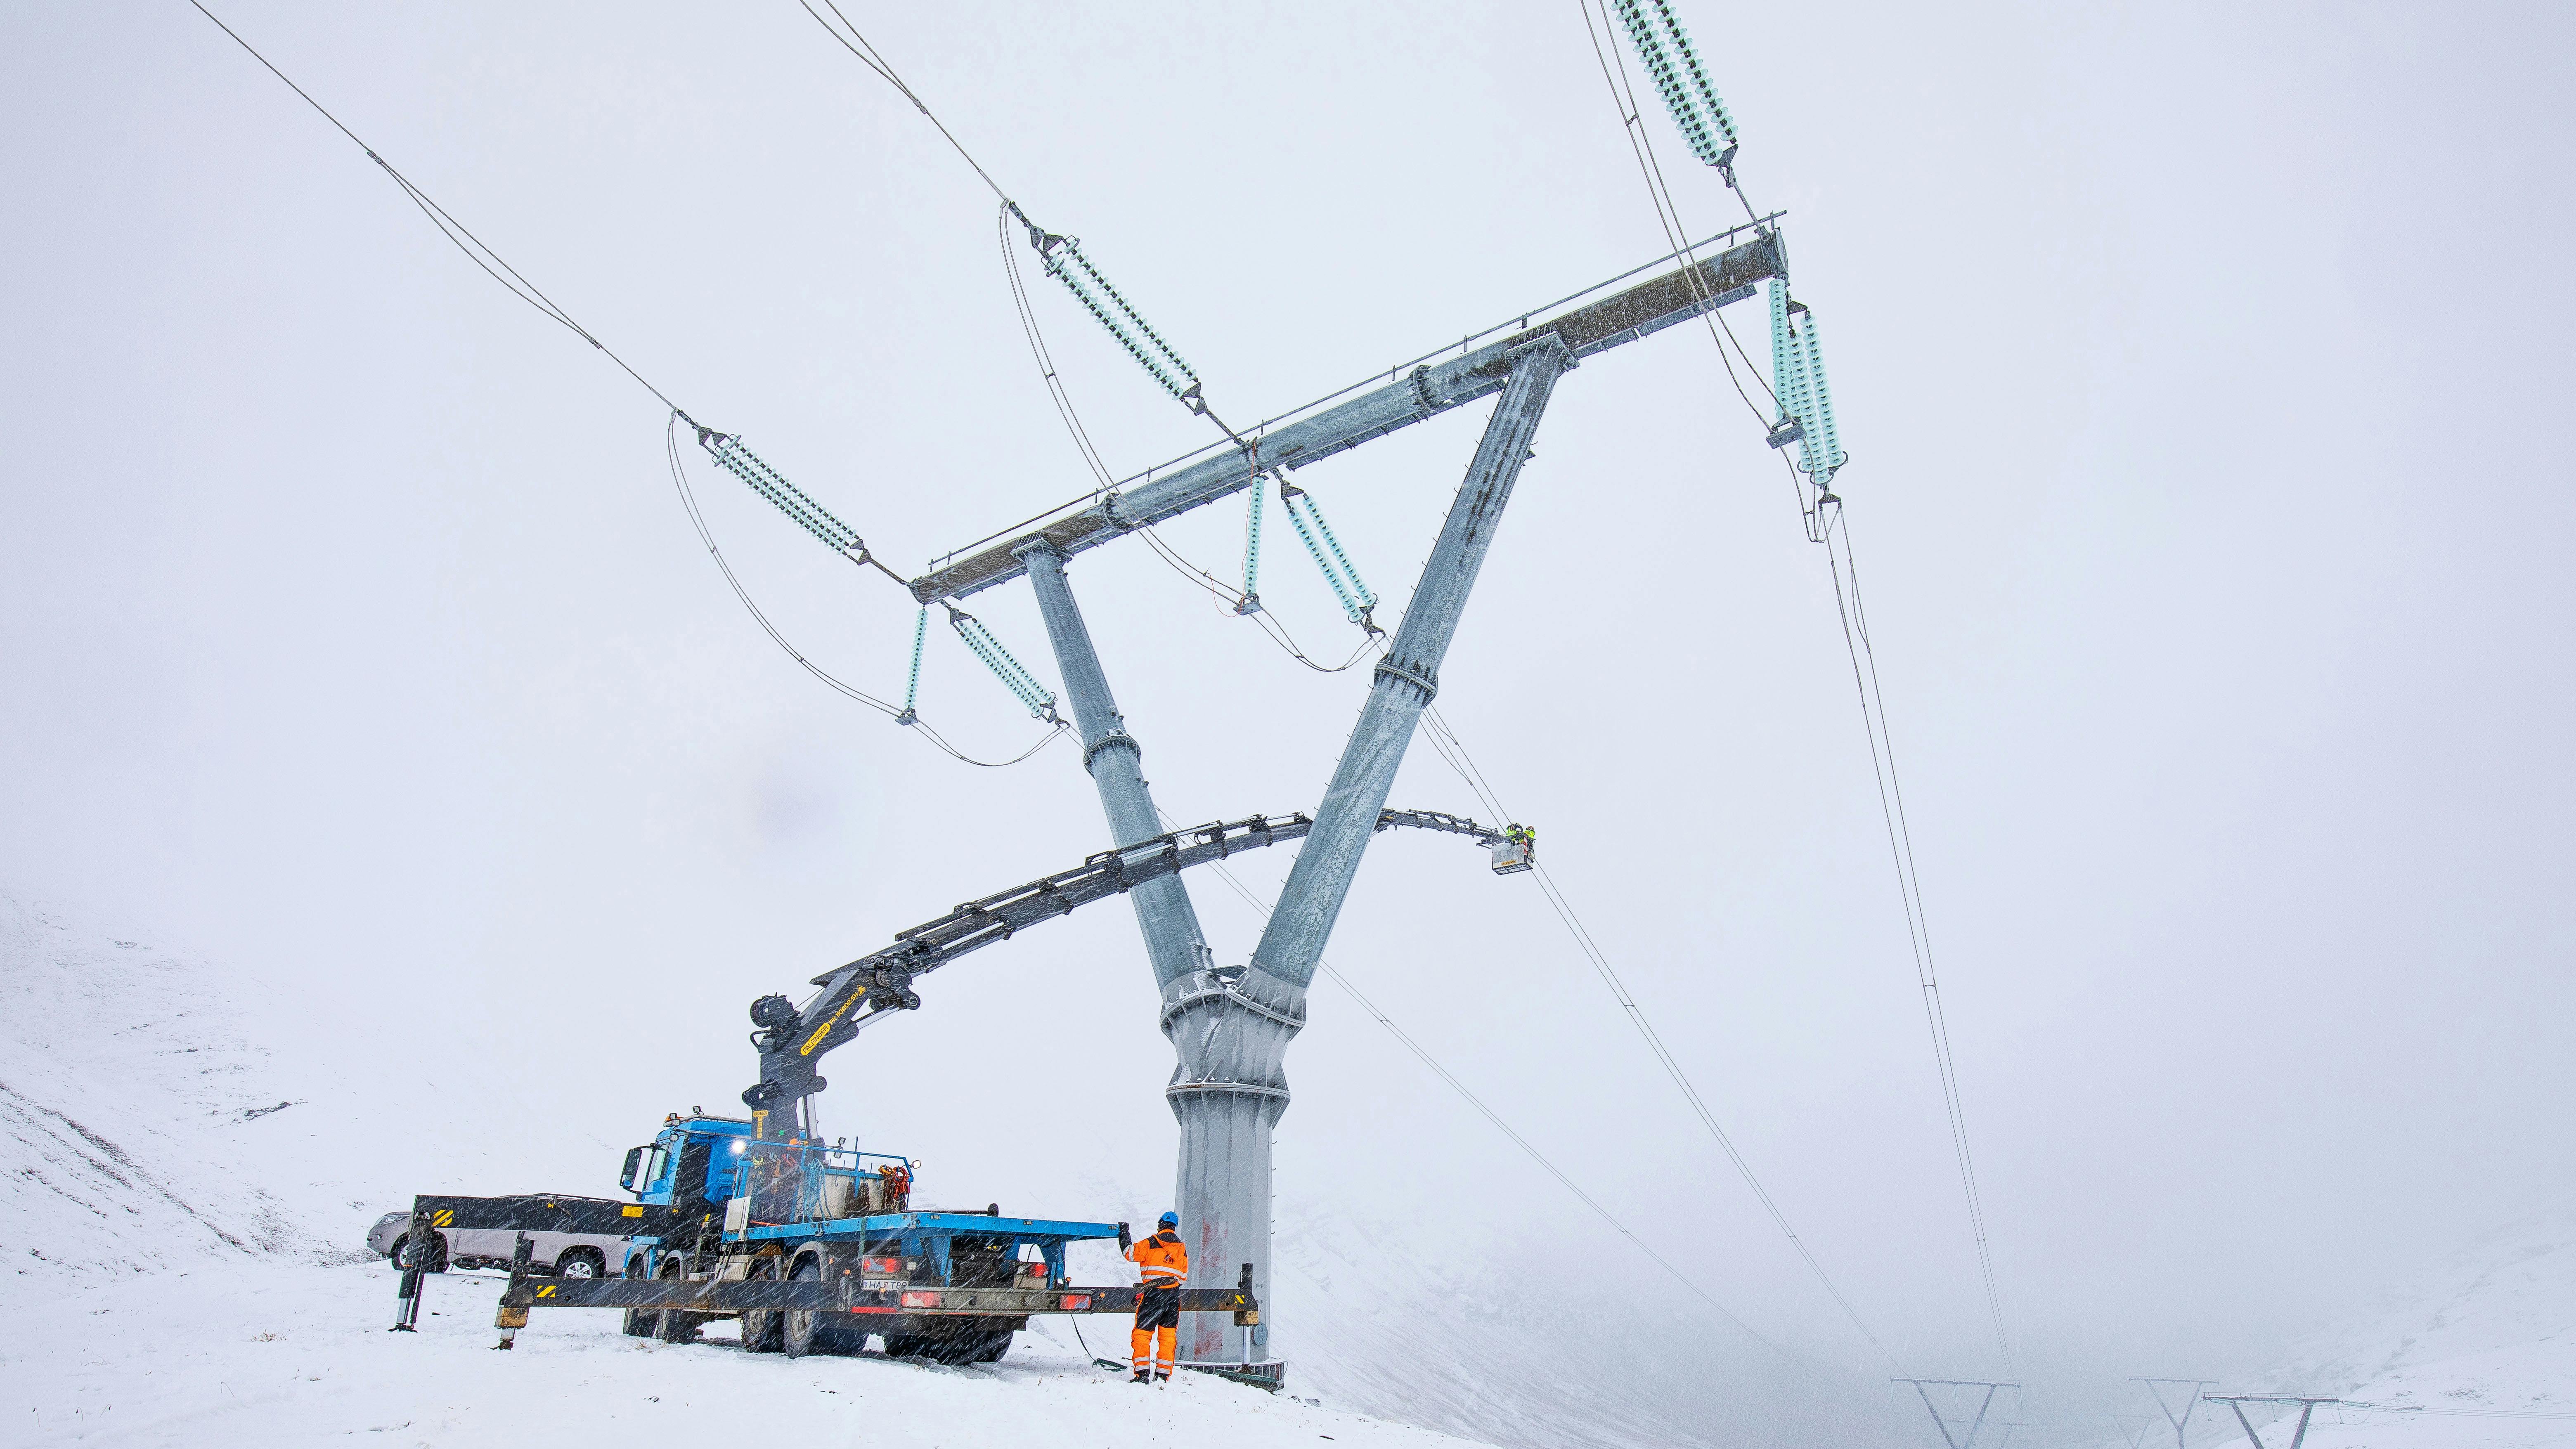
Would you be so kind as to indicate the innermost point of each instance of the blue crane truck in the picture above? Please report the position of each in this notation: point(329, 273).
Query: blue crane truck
point(817, 1248)
point(813, 1248)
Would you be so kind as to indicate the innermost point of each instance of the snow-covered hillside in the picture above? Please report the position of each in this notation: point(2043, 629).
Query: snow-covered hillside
point(191, 1166)
point(133, 1096)
point(192, 1159)
point(2479, 1353)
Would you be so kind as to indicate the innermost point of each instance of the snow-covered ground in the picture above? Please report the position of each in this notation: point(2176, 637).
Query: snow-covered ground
point(2479, 1353)
point(260, 1352)
point(189, 1162)
point(190, 1167)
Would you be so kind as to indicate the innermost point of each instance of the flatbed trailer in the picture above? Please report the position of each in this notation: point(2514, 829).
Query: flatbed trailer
point(851, 1259)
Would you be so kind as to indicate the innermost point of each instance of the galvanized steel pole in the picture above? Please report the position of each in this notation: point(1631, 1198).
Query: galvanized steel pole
point(1228, 1090)
point(1407, 678)
point(1232, 1027)
point(1173, 941)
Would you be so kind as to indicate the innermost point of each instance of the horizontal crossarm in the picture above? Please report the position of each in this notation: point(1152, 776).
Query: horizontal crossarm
point(1624, 316)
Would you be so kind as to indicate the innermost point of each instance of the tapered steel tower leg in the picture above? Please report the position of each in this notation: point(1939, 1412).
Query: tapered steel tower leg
point(1228, 1089)
point(1232, 1027)
point(1173, 941)
point(1406, 679)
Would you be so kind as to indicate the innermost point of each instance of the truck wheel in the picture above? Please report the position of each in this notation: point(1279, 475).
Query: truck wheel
point(638, 1322)
point(400, 1257)
point(581, 1263)
point(762, 1328)
point(967, 1345)
point(800, 1329)
point(675, 1325)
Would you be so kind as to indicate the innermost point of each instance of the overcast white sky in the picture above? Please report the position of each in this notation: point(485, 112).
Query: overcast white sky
point(2198, 363)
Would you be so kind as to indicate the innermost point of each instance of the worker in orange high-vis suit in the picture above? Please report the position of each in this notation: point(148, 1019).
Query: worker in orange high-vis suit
point(1165, 1261)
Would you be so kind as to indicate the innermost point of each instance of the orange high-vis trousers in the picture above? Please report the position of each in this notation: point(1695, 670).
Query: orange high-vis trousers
point(1156, 1339)
point(1155, 1348)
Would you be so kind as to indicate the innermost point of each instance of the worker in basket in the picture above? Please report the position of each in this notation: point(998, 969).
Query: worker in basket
point(1165, 1261)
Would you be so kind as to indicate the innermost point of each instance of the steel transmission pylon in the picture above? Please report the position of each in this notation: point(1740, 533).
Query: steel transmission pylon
point(1969, 1440)
point(2182, 1420)
point(1230, 1025)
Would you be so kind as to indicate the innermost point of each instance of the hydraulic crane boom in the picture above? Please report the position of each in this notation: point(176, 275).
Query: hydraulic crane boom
point(792, 1039)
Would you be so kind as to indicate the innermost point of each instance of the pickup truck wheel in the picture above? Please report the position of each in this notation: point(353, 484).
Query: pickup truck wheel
point(762, 1330)
point(400, 1257)
point(801, 1329)
point(675, 1325)
point(581, 1263)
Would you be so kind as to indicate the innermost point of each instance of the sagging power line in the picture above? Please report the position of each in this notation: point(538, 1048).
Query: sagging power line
point(726, 449)
point(1803, 414)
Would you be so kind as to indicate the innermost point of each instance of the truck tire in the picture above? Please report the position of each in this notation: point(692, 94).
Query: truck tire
point(637, 1322)
point(763, 1329)
point(802, 1331)
point(583, 1263)
point(965, 1344)
point(676, 1325)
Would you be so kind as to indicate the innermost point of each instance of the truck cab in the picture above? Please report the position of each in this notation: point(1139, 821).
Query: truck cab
point(714, 1169)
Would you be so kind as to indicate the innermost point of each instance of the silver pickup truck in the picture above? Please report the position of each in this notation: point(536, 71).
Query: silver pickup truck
point(571, 1255)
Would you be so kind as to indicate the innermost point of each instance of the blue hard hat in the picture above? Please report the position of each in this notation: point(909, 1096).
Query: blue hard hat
point(1171, 1220)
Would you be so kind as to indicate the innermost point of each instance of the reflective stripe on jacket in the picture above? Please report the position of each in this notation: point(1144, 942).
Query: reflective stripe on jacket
point(1164, 1259)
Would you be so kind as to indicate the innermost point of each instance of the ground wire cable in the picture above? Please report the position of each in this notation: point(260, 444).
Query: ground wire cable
point(1820, 528)
point(1563, 1178)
